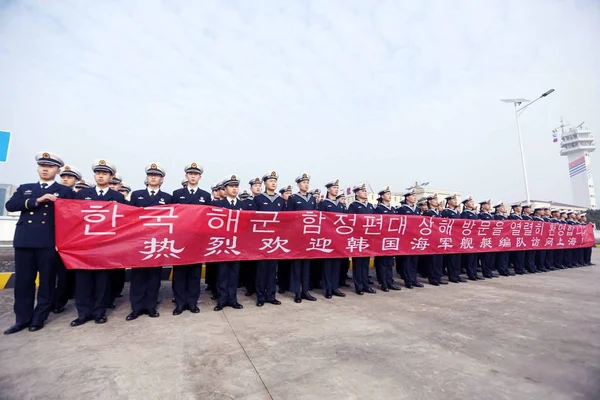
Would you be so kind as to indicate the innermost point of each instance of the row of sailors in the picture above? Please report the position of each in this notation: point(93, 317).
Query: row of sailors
point(96, 290)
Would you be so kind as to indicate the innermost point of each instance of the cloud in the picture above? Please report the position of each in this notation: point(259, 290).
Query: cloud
point(386, 91)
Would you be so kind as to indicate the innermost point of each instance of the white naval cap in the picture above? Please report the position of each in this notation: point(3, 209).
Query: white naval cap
point(334, 182)
point(468, 198)
point(255, 181)
point(360, 186)
point(270, 175)
point(71, 171)
point(231, 180)
point(125, 188)
point(47, 158)
point(498, 204)
point(194, 167)
point(285, 189)
point(410, 192)
point(303, 177)
point(116, 179)
point(155, 169)
point(384, 190)
point(103, 165)
point(82, 184)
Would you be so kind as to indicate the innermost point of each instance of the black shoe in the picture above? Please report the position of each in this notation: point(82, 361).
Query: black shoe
point(344, 284)
point(111, 305)
point(281, 291)
point(338, 293)
point(393, 286)
point(59, 310)
point(359, 292)
point(453, 280)
point(214, 297)
point(274, 302)
point(408, 286)
point(80, 321)
point(248, 293)
point(134, 315)
point(119, 295)
point(370, 290)
point(472, 278)
point(443, 283)
point(385, 289)
point(260, 303)
point(101, 320)
point(370, 282)
point(418, 284)
point(15, 328)
point(461, 280)
point(308, 296)
point(298, 298)
point(328, 295)
point(434, 283)
point(218, 307)
point(237, 306)
point(480, 278)
point(36, 326)
point(152, 313)
point(194, 309)
point(177, 311)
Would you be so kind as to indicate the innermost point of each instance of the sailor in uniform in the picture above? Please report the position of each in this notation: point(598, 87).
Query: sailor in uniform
point(34, 245)
point(115, 182)
point(558, 253)
point(470, 260)
point(300, 269)
point(549, 260)
point(385, 264)
point(330, 267)
point(186, 278)
point(125, 190)
point(587, 251)
point(211, 272)
point(228, 272)
point(410, 262)
point(488, 258)
point(518, 257)
point(65, 278)
point(501, 256)
point(360, 265)
point(266, 270)
point(540, 255)
point(452, 261)
point(93, 286)
point(248, 268)
point(283, 266)
point(434, 262)
point(145, 281)
point(345, 261)
point(529, 254)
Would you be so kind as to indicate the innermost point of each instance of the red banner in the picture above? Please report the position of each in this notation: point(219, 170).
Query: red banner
point(100, 235)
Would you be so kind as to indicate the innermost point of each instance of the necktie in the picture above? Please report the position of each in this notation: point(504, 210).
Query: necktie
point(44, 185)
point(101, 192)
point(152, 193)
point(232, 203)
point(191, 191)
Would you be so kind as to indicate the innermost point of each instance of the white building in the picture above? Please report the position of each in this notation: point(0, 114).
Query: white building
point(577, 144)
point(6, 192)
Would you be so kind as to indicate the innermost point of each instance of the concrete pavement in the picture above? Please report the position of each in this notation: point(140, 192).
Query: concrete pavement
point(525, 337)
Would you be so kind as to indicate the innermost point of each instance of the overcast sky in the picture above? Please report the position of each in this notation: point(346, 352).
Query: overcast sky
point(385, 91)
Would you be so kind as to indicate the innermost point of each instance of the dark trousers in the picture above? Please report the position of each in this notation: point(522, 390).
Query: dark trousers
point(487, 263)
point(28, 262)
point(360, 273)
point(519, 262)
point(422, 266)
point(453, 266)
point(580, 256)
point(266, 271)
point(143, 291)
point(211, 277)
point(587, 255)
point(300, 276)
point(330, 273)
point(316, 273)
point(530, 261)
point(344, 269)
point(186, 284)
point(91, 292)
point(558, 258)
point(549, 262)
point(409, 270)
point(385, 270)
point(502, 262)
point(65, 284)
point(470, 264)
point(540, 260)
point(400, 267)
point(227, 279)
point(283, 274)
point(435, 267)
point(117, 282)
point(248, 274)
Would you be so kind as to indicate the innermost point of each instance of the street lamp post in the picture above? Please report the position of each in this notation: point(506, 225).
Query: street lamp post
point(518, 111)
